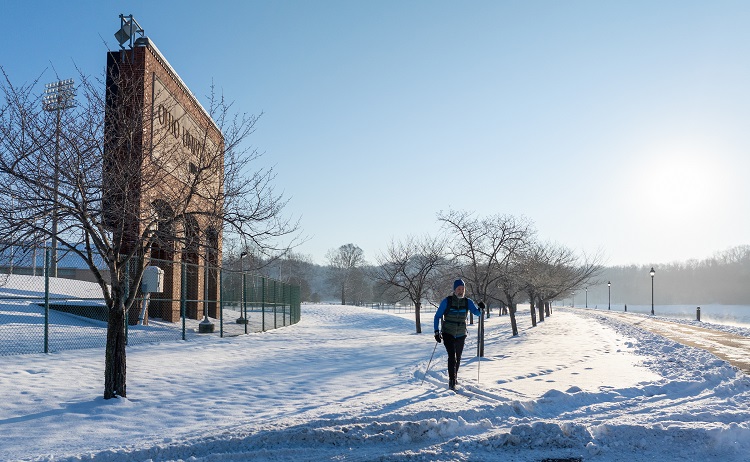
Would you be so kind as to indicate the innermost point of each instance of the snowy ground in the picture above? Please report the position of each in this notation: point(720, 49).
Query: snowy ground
point(346, 384)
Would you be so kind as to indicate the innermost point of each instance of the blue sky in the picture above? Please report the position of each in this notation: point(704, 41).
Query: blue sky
point(619, 127)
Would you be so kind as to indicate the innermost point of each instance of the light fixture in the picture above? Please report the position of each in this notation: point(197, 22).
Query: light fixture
point(128, 28)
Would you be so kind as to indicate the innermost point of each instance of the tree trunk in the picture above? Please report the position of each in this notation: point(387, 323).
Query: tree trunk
point(418, 316)
point(114, 362)
point(533, 314)
point(512, 313)
point(548, 309)
point(540, 307)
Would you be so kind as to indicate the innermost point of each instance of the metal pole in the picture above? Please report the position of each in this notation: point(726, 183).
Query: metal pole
point(652, 272)
point(428, 364)
point(263, 303)
point(652, 294)
point(479, 367)
point(55, 196)
point(219, 306)
point(58, 97)
point(244, 301)
point(46, 299)
point(183, 295)
point(243, 306)
point(275, 302)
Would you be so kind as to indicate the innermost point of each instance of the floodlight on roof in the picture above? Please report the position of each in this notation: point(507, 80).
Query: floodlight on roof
point(129, 27)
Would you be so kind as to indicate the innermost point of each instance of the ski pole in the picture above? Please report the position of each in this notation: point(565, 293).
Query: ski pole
point(479, 367)
point(428, 364)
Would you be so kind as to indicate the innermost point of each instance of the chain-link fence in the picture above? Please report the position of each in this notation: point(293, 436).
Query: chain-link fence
point(253, 303)
point(40, 313)
point(401, 308)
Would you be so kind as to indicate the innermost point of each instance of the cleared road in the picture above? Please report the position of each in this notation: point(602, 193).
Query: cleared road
point(732, 348)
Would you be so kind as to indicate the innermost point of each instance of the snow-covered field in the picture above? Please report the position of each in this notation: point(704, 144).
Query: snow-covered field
point(346, 383)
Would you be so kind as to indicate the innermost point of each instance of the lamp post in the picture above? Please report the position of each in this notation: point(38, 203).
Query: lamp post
point(572, 299)
point(652, 272)
point(243, 308)
point(587, 296)
point(609, 295)
point(58, 96)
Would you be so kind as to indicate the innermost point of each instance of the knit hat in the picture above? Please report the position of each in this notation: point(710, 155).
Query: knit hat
point(457, 282)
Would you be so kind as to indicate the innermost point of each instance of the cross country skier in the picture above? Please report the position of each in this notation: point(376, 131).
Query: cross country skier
point(453, 311)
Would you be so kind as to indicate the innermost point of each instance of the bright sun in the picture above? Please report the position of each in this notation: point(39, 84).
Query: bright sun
point(678, 180)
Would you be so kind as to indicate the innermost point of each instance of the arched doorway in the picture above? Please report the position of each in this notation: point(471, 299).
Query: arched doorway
point(162, 255)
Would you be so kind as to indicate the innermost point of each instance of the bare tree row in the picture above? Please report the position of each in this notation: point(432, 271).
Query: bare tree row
point(498, 257)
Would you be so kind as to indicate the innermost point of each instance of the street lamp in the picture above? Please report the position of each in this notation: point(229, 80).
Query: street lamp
point(58, 96)
point(609, 295)
point(572, 299)
point(652, 272)
point(587, 296)
point(243, 308)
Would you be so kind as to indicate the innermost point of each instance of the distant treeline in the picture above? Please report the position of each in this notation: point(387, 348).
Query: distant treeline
point(722, 279)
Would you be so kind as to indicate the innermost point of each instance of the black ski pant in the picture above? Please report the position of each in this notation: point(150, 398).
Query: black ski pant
point(454, 346)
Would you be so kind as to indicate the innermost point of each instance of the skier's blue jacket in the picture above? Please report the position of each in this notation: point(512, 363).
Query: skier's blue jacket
point(453, 311)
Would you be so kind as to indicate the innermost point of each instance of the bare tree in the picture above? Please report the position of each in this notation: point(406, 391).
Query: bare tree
point(409, 265)
point(360, 286)
point(344, 263)
point(551, 270)
point(127, 190)
point(483, 247)
point(511, 287)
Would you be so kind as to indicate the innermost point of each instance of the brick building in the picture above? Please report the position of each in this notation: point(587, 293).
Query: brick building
point(163, 173)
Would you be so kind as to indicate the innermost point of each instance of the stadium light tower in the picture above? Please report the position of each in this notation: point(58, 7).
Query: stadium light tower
point(58, 96)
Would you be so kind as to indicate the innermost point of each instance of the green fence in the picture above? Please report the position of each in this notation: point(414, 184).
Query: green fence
point(254, 303)
point(42, 314)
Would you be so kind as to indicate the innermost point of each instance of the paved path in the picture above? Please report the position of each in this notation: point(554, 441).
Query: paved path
point(732, 348)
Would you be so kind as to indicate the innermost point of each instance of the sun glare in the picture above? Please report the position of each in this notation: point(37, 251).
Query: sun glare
point(678, 180)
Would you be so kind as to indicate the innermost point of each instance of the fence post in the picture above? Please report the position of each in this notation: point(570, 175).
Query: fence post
point(275, 302)
point(263, 303)
point(183, 296)
point(218, 271)
point(243, 307)
point(46, 299)
point(283, 304)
